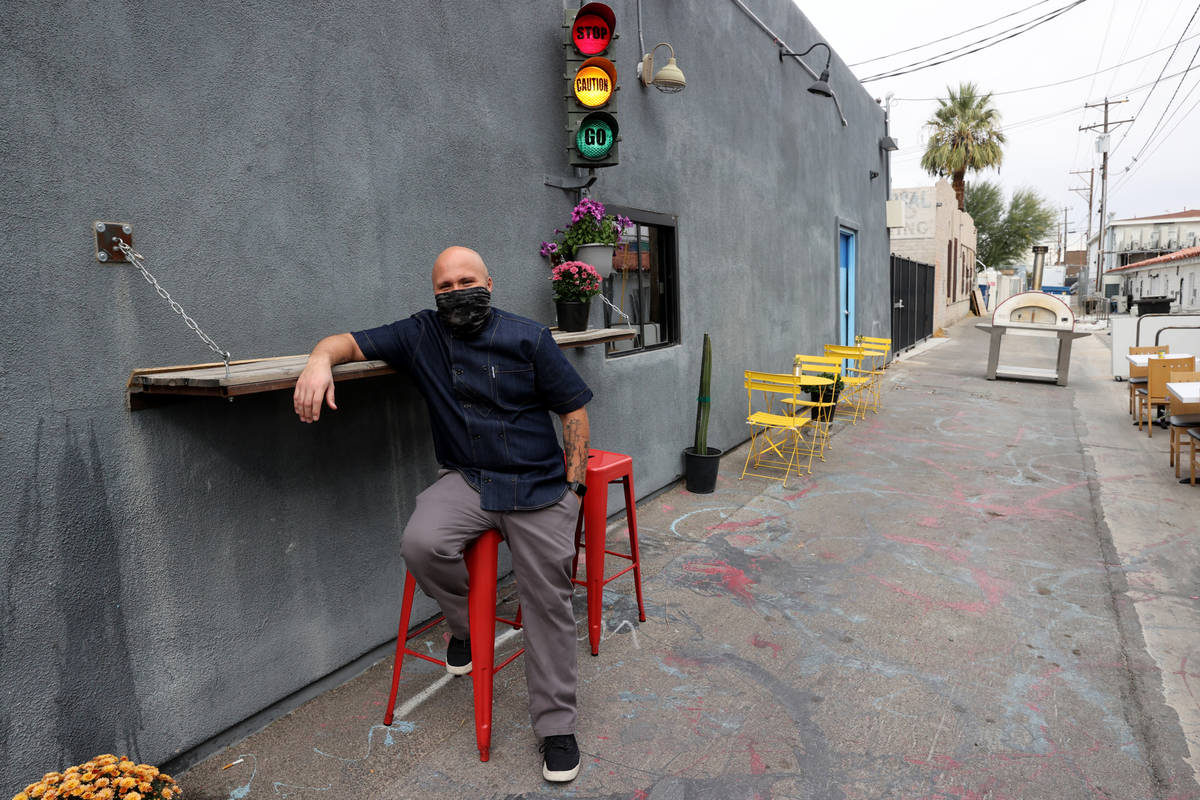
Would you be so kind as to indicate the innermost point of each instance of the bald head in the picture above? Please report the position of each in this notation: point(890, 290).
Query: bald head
point(459, 268)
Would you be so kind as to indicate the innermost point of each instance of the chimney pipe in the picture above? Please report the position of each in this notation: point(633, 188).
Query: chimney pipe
point(1039, 262)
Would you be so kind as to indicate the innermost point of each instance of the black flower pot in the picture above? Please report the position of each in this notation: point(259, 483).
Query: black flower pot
point(700, 470)
point(572, 316)
point(823, 413)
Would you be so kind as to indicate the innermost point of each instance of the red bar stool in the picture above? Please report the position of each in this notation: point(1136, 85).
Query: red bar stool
point(481, 558)
point(604, 468)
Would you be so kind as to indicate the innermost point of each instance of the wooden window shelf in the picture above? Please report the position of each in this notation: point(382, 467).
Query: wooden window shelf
point(156, 385)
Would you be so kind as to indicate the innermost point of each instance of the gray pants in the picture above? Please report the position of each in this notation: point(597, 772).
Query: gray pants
point(446, 520)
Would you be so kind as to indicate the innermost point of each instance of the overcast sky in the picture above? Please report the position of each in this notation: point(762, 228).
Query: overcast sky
point(1042, 125)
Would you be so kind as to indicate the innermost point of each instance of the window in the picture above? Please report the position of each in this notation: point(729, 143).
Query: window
point(966, 259)
point(951, 295)
point(643, 283)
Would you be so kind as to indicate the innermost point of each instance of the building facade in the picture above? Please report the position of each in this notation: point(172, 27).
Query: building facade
point(1074, 261)
point(936, 232)
point(176, 570)
point(1172, 276)
point(1128, 241)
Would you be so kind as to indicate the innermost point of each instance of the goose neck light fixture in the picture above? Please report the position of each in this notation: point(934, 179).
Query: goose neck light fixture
point(669, 79)
point(821, 87)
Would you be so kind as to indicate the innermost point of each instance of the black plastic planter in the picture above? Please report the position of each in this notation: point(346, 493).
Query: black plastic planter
point(700, 470)
point(819, 413)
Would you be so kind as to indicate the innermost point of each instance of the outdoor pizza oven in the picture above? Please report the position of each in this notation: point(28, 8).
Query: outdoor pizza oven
point(1034, 310)
point(1032, 314)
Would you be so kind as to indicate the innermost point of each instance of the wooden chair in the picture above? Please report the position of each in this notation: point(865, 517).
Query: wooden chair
point(1154, 394)
point(776, 438)
point(1193, 436)
point(1181, 417)
point(1137, 375)
point(820, 409)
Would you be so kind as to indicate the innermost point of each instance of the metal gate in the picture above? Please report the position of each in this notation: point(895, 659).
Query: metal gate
point(912, 302)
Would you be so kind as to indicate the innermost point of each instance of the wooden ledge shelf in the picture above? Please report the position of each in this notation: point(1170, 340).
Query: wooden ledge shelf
point(158, 385)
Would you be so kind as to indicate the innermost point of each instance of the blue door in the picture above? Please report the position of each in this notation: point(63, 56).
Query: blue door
point(846, 259)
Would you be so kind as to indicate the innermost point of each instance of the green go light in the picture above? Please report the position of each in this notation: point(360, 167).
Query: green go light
point(596, 136)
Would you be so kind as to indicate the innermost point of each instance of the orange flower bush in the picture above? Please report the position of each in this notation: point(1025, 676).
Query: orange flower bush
point(105, 777)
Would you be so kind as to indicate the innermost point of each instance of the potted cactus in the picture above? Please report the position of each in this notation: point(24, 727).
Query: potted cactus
point(701, 462)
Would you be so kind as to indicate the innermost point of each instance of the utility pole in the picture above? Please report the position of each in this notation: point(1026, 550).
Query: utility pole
point(1102, 146)
point(1062, 239)
point(1091, 173)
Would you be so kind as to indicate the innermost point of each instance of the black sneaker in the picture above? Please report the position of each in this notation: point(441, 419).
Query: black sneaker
point(458, 656)
point(562, 758)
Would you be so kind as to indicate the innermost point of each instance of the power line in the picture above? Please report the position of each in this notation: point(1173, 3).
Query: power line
point(1099, 61)
point(1167, 108)
point(947, 38)
point(1186, 97)
point(1138, 161)
point(929, 62)
point(904, 151)
point(1134, 27)
point(913, 152)
point(1025, 27)
point(1125, 135)
point(918, 149)
point(1132, 168)
point(1069, 80)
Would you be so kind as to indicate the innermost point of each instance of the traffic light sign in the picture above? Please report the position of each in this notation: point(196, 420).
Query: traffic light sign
point(591, 87)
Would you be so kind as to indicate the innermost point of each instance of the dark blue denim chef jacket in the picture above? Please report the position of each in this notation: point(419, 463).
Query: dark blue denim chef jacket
point(488, 399)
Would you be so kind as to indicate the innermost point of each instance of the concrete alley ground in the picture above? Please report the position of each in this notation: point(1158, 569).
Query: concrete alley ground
point(988, 590)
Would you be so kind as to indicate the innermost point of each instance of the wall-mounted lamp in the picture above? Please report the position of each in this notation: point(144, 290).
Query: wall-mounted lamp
point(889, 144)
point(821, 87)
point(874, 174)
point(669, 79)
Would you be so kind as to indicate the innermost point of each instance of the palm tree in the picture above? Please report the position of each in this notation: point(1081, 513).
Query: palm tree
point(966, 136)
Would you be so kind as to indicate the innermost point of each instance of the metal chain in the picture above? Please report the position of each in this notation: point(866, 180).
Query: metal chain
point(135, 258)
point(609, 303)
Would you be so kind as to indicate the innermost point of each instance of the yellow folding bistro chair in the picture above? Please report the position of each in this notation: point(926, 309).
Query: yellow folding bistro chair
point(857, 383)
point(822, 371)
point(878, 349)
point(776, 439)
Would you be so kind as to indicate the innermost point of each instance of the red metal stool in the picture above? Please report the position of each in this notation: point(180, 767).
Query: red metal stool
point(481, 557)
point(604, 468)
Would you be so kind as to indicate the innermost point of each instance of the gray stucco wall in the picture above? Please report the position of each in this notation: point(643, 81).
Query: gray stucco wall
point(291, 171)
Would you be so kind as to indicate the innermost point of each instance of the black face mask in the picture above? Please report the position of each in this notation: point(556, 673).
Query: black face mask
point(464, 312)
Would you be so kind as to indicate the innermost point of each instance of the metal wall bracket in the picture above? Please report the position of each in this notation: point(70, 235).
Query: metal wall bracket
point(572, 184)
point(107, 236)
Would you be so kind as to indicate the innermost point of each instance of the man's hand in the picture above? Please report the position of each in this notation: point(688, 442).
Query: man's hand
point(314, 387)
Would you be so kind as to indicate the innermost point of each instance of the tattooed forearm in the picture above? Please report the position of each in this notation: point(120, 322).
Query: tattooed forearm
point(576, 434)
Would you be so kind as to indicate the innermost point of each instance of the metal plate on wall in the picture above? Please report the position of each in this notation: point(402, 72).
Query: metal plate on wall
point(108, 234)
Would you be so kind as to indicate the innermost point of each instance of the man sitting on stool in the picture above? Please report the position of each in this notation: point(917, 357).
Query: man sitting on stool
point(489, 379)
